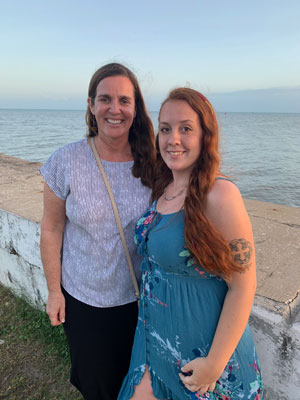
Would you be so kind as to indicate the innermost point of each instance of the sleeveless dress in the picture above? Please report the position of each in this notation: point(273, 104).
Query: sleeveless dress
point(179, 311)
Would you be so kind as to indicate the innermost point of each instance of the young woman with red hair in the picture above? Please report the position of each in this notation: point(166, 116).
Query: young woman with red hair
point(192, 339)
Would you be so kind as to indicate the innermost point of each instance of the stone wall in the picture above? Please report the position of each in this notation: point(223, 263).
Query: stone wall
point(20, 263)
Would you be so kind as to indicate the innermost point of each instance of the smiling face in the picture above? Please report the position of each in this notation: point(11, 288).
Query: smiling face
point(180, 136)
point(113, 107)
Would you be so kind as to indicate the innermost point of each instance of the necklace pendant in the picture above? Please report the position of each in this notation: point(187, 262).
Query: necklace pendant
point(174, 196)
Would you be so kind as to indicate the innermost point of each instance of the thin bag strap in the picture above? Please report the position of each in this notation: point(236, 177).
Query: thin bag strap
point(118, 220)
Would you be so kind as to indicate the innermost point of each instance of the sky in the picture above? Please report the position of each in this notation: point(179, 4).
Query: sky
point(243, 55)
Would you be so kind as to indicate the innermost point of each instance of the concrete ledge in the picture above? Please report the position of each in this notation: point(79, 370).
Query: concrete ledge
point(275, 317)
point(278, 347)
point(21, 187)
point(277, 242)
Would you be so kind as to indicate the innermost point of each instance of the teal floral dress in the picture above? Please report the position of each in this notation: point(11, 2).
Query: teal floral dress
point(179, 311)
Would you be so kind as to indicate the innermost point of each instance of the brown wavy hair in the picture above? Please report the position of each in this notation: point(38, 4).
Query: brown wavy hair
point(141, 133)
point(206, 245)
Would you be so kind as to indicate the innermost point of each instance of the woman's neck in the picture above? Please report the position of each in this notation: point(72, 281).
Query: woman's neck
point(180, 179)
point(114, 150)
point(172, 200)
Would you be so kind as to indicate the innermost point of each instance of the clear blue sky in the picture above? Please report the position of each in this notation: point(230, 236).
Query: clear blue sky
point(50, 49)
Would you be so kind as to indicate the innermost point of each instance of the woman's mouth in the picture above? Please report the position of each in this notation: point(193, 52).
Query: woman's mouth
point(114, 121)
point(175, 153)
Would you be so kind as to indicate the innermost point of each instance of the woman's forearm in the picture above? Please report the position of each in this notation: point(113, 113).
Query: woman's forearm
point(51, 244)
point(52, 228)
point(231, 325)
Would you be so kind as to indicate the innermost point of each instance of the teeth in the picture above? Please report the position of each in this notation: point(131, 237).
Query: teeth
point(114, 121)
point(175, 153)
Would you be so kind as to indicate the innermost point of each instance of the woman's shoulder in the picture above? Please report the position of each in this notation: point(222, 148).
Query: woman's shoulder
point(65, 154)
point(223, 197)
point(73, 147)
point(223, 190)
point(226, 210)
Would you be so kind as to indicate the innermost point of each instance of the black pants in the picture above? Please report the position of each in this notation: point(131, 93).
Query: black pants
point(100, 342)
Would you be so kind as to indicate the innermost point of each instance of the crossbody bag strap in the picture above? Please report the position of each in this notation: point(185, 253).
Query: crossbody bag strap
point(118, 220)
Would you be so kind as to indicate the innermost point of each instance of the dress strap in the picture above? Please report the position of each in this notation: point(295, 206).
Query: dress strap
point(222, 178)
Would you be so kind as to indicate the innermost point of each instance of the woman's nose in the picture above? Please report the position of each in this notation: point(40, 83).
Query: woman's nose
point(174, 138)
point(114, 106)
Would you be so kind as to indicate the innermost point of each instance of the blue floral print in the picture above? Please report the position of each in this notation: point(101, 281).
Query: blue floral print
point(179, 312)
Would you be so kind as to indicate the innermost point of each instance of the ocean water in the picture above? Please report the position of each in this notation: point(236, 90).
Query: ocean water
point(260, 151)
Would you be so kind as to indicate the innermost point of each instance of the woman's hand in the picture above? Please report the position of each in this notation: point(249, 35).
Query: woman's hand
point(203, 377)
point(56, 308)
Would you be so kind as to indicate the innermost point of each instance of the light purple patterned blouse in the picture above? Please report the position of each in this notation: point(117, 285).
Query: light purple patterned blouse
point(94, 267)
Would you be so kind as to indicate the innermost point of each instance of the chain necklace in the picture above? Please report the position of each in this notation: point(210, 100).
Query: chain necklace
point(174, 196)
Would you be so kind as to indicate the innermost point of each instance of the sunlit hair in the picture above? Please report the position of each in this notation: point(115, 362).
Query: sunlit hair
point(205, 243)
point(141, 133)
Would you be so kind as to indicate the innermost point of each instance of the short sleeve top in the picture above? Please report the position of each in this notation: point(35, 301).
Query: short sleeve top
point(94, 267)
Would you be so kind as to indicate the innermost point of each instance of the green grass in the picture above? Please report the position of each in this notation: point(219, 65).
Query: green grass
point(34, 355)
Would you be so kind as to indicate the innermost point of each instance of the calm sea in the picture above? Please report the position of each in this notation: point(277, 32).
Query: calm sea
point(261, 152)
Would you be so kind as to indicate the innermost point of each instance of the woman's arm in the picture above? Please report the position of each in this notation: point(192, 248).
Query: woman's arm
point(226, 211)
point(52, 228)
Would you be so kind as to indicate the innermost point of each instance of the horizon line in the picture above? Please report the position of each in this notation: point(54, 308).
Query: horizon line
point(152, 111)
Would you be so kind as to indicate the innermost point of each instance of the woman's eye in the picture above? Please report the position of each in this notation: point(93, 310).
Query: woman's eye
point(124, 101)
point(186, 129)
point(103, 100)
point(164, 130)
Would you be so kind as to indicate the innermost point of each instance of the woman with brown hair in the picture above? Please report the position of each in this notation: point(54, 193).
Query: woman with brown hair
point(192, 339)
point(89, 283)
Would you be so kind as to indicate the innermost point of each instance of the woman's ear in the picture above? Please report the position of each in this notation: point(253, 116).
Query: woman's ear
point(91, 105)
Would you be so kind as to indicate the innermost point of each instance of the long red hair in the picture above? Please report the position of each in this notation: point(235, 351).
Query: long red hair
point(205, 243)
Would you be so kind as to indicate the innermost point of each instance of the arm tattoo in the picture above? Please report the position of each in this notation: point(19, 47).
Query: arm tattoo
point(241, 252)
